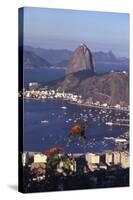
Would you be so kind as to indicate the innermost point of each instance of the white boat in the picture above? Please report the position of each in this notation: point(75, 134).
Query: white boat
point(109, 123)
point(109, 138)
point(44, 121)
point(120, 140)
point(64, 107)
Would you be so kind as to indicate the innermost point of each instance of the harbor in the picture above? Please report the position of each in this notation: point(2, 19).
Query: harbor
point(51, 117)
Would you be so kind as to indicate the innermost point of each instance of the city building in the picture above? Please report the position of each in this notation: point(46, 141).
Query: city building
point(104, 104)
point(108, 158)
point(92, 158)
point(40, 158)
point(125, 160)
point(24, 158)
point(117, 106)
point(116, 158)
point(33, 85)
point(120, 140)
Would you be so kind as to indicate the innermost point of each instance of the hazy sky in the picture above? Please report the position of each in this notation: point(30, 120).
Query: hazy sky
point(65, 29)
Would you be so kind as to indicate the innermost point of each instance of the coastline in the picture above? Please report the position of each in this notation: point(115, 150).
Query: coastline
point(100, 107)
point(79, 104)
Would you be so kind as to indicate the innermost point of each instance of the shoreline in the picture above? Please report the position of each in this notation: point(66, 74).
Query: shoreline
point(77, 104)
point(99, 107)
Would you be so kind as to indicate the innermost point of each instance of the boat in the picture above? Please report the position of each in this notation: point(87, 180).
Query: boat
point(44, 121)
point(64, 107)
point(109, 123)
point(120, 140)
point(109, 138)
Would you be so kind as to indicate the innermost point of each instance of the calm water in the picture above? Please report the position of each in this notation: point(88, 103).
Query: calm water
point(40, 136)
point(41, 75)
point(44, 75)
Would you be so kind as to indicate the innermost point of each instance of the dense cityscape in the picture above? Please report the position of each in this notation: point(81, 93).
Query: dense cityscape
point(62, 171)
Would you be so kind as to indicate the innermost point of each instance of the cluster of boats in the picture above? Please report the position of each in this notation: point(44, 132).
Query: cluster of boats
point(94, 115)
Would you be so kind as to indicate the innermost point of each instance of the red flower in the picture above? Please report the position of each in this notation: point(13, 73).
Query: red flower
point(76, 129)
point(54, 150)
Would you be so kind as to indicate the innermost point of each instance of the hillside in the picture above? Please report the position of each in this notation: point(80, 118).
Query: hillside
point(31, 60)
point(54, 56)
point(111, 88)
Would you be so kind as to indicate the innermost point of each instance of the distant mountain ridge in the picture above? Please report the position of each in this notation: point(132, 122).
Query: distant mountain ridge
point(31, 60)
point(61, 57)
point(109, 57)
point(53, 56)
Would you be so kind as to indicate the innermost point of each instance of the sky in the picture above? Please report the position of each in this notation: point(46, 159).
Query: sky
point(66, 29)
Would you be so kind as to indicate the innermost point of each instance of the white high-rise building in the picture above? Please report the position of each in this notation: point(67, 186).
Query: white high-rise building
point(92, 158)
point(24, 155)
point(40, 158)
point(117, 158)
point(108, 158)
point(125, 161)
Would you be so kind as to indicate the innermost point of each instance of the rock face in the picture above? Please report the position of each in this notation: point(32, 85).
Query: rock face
point(81, 59)
point(80, 78)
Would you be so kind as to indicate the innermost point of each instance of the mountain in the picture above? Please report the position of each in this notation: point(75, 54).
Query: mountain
point(111, 88)
point(54, 56)
point(108, 57)
point(61, 57)
point(62, 64)
point(81, 78)
point(81, 59)
point(31, 60)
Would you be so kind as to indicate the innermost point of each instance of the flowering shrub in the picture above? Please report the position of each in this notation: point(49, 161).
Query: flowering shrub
point(54, 150)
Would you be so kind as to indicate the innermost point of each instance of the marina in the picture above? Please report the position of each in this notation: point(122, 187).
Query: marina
point(47, 124)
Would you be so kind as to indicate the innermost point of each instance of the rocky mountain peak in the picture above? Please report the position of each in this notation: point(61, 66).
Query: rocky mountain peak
point(81, 59)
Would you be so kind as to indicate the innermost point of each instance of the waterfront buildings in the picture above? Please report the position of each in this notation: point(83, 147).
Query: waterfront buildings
point(44, 93)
